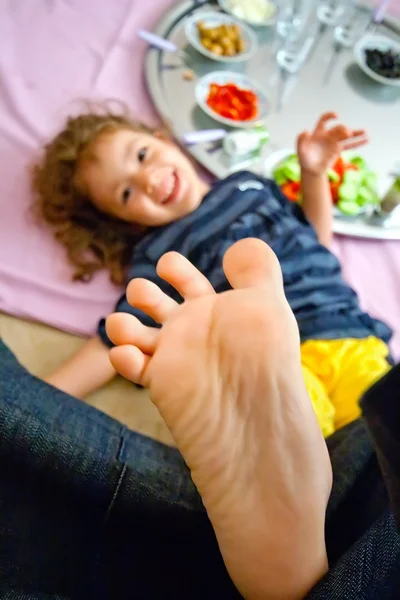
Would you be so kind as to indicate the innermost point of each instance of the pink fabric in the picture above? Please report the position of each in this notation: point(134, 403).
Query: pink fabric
point(373, 269)
point(52, 53)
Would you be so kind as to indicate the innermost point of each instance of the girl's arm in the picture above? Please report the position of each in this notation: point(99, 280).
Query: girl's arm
point(85, 372)
point(317, 151)
point(90, 368)
point(317, 204)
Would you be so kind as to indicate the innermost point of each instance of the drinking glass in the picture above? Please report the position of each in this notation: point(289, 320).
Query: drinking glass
point(352, 25)
point(292, 16)
point(329, 12)
point(295, 50)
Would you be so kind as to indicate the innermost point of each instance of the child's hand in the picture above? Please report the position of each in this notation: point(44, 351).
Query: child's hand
point(317, 151)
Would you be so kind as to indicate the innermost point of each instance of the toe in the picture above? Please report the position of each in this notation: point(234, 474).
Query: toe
point(148, 297)
point(130, 362)
point(183, 276)
point(125, 329)
point(251, 263)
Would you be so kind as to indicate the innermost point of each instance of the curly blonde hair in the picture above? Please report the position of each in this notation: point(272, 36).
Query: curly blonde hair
point(93, 240)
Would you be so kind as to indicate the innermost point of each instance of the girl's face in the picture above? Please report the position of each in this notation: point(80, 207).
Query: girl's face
point(140, 178)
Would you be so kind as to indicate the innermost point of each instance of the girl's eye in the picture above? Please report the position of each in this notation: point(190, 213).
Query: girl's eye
point(126, 194)
point(142, 154)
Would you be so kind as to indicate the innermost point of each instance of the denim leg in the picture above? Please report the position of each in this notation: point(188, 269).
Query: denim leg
point(359, 496)
point(89, 509)
point(369, 570)
point(381, 408)
point(13, 594)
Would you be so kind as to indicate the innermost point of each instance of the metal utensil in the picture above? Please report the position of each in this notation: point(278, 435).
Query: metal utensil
point(164, 45)
point(378, 15)
point(203, 136)
point(392, 23)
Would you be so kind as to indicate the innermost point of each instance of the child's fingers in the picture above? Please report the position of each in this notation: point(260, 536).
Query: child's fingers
point(355, 136)
point(323, 120)
point(358, 133)
point(339, 133)
point(354, 143)
point(344, 135)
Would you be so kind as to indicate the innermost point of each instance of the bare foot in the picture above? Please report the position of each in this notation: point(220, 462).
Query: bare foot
point(225, 373)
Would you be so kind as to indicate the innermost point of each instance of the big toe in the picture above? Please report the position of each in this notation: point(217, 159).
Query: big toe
point(251, 263)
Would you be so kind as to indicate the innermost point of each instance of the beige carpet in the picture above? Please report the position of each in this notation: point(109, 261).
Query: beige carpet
point(41, 349)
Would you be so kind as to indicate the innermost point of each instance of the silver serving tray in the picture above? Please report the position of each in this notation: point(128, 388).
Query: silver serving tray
point(330, 80)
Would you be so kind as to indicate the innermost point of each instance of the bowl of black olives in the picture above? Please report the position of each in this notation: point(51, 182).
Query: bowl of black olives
point(379, 57)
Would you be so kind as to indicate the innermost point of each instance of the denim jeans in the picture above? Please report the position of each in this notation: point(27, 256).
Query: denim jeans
point(89, 509)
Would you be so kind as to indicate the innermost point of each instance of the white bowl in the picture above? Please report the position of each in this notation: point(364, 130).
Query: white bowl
point(222, 78)
point(216, 19)
point(381, 42)
point(224, 5)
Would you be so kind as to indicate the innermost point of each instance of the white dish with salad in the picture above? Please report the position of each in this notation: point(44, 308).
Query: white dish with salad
point(354, 186)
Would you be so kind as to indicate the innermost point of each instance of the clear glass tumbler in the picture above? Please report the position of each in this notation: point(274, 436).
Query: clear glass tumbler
point(329, 12)
point(295, 50)
point(352, 25)
point(292, 16)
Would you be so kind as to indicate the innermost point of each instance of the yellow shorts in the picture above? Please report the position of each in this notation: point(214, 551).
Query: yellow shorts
point(337, 373)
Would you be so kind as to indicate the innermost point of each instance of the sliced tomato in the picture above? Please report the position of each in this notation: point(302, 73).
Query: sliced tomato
point(247, 96)
point(351, 167)
point(296, 185)
point(339, 166)
point(334, 185)
point(232, 102)
point(253, 112)
point(291, 189)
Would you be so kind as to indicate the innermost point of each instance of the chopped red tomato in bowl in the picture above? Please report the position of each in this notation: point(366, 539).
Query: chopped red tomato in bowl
point(233, 102)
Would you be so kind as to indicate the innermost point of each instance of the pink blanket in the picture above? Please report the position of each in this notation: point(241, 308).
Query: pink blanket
point(52, 53)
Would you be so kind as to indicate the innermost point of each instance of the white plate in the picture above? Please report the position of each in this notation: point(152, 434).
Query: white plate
point(215, 19)
point(222, 78)
point(342, 225)
point(380, 42)
point(224, 4)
